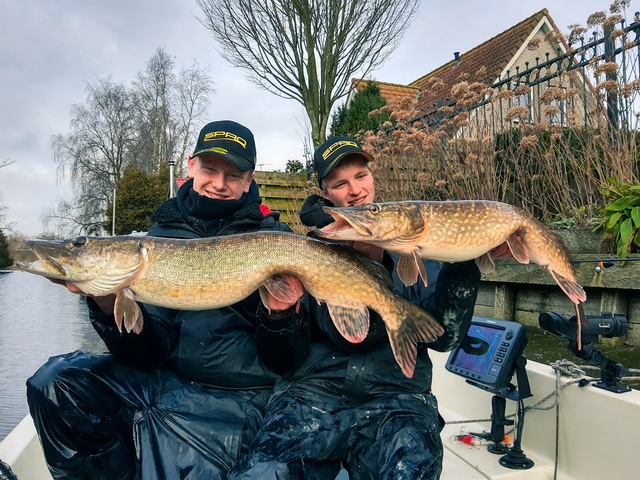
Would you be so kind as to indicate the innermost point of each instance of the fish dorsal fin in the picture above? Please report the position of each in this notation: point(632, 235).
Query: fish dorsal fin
point(126, 311)
point(485, 263)
point(352, 323)
point(518, 250)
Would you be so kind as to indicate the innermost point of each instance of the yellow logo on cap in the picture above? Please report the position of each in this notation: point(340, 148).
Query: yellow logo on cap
point(337, 145)
point(211, 136)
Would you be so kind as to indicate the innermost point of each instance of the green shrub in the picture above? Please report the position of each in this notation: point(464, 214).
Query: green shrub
point(621, 215)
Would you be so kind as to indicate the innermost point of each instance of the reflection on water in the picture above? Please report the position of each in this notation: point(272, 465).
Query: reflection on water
point(38, 319)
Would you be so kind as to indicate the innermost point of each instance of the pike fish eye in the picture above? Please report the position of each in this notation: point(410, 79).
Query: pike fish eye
point(374, 209)
point(79, 241)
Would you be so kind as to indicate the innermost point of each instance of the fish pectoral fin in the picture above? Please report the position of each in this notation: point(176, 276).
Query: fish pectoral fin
point(485, 263)
point(352, 323)
point(572, 289)
point(417, 257)
point(518, 250)
point(279, 289)
point(415, 326)
point(127, 312)
point(407, 270)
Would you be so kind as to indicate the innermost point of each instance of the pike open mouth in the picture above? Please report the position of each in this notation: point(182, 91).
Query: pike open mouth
point(53, 266)
point(342, 224)
point(42, 249)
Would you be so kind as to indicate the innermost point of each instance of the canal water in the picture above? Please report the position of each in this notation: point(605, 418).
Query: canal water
point(38, 319)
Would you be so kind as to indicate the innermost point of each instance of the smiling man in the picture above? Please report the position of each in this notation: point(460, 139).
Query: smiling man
point(343, 173)
point(223, 161)
point(348, 404)
point(182, 399)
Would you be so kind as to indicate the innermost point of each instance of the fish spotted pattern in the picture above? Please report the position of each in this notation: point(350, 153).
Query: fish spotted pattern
point(200, 274)
point(456, 231)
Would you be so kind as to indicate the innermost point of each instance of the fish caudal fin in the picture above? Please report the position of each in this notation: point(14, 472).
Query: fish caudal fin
point(414, 326)
point(127, 311)
point(352, 323)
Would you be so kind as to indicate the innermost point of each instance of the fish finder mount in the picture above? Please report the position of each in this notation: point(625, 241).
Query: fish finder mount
point(488, 357)
point(515, 457)
point(607, 325)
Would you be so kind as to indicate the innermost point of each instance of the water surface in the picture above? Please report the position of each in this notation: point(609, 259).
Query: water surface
point(38, 319)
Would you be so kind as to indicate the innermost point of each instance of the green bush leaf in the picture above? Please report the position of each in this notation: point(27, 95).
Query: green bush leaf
point(626, 232)
point(635, 215)
point(613, 220)
point(619, 205)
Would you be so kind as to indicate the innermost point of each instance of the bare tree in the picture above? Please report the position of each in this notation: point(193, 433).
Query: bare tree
point(307, 50)
point(194, 89)
point(147, 126)
point(168, 105)
point(4, 163)
point(95, 153)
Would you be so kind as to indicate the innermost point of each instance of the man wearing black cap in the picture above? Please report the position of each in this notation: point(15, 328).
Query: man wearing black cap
point(182, 399)
point(350, 404)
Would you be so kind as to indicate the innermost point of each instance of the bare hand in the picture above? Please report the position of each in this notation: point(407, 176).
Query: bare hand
point(277, 306)
point(372, 251)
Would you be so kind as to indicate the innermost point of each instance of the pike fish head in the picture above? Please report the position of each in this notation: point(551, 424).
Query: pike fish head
point(98, 266)
point(382, 223)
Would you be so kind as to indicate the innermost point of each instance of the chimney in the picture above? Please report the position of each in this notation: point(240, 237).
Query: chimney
point(456, 57)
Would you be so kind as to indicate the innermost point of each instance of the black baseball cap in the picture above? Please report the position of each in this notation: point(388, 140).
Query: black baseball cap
point(327, 155)
point(229, 140)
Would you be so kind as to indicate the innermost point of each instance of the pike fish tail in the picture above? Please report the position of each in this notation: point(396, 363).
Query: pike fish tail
point(415, 326)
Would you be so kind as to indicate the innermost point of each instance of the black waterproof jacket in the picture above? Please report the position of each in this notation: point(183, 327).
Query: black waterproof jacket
point(349, 405)
point(183, 399)
point(368, 369)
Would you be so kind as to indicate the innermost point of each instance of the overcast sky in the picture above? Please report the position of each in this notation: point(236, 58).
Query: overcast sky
point(51, 49)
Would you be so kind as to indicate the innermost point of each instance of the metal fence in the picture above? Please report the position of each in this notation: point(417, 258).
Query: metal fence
point(595, 82)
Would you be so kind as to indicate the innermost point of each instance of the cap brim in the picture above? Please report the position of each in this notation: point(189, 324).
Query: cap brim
point(237, 161)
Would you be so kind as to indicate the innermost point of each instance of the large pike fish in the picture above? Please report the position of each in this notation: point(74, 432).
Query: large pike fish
point(215, 272)
point(456, 231)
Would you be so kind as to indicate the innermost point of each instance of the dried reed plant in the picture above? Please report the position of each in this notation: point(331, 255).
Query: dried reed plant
point(551, 156)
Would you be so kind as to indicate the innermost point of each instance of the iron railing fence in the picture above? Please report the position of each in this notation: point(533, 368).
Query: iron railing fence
point(595, 83)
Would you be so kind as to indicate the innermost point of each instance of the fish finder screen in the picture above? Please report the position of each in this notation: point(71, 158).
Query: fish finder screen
point(480, 342)
point(488, 352)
